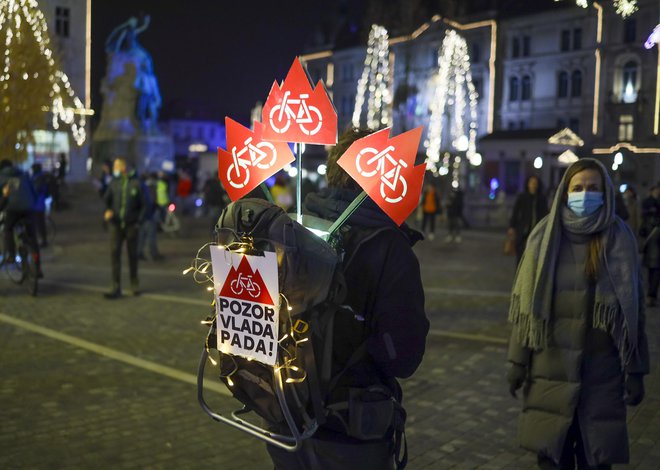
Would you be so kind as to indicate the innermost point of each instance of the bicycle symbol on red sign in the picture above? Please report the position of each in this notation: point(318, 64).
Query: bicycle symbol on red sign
point(393, 186)
point(308, 117)
point(262, 156)
point(244, 282)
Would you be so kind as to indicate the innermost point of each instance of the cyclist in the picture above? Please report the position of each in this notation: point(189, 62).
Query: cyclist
point(40, 184)
point(17, 201)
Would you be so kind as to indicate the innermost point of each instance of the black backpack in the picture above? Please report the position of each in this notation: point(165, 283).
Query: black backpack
point(299, 394)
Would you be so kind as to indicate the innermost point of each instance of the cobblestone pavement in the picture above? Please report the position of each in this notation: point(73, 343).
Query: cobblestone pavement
point(87, 382)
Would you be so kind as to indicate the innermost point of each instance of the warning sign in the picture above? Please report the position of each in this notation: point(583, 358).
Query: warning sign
point(248, 317)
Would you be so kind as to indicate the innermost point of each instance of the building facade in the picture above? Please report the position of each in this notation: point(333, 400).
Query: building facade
point(566, 79)
point(69, 28)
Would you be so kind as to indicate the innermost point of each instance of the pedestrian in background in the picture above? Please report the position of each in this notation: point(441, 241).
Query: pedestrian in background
point(650, 212)
point(578, 345)
point(40, 184)
point(632, 207)
point(214, 198)
point(125, 207)
point(530, 207)
point(430, 207)
point(454, 215)
point(148, 236)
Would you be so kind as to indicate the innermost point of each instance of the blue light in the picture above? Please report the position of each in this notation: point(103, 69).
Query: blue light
point(623, 187)
point(198, 202)
point(494, 184)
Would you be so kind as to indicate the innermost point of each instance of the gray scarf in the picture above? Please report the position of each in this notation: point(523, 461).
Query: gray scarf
point(619, 293)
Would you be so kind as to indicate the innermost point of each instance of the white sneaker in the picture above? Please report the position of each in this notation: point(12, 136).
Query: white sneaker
point(431, 236)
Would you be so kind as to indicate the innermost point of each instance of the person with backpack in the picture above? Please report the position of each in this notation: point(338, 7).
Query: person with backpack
point(125, 208)
point(386, 296)
point(17, 200)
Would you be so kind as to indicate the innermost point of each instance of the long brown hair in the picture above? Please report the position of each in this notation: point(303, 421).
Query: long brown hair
point(595, 251)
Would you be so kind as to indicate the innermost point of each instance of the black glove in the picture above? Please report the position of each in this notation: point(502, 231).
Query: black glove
point(634, 390)
point(516, 376)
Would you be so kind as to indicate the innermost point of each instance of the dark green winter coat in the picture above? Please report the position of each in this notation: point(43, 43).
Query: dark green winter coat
point(579, 374)
point(125, 197)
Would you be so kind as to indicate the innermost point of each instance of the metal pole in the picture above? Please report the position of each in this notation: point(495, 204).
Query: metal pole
point(347, 213)
point(299, 183)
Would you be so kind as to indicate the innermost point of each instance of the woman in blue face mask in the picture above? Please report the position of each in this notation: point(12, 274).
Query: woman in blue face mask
point(578, 343)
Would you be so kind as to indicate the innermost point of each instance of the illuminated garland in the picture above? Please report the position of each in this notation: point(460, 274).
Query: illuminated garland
point(453, 90)
point(288, 344)
point(375, 80)
point(20, 18)
point(625, 8)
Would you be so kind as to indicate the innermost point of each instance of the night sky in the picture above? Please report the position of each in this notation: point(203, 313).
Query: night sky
point(215, 57)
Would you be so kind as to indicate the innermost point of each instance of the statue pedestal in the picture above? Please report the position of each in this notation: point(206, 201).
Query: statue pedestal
point(144, 152)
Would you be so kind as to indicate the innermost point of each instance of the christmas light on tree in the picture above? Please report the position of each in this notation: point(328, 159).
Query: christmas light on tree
point(31, 82)
point(375, 80)
point(453, 107)
point(625, 8)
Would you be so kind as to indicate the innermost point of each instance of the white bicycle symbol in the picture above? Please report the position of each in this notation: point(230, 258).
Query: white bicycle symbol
point(262, 155)
point(245, 283)
point(308, 117)
point(389, 169)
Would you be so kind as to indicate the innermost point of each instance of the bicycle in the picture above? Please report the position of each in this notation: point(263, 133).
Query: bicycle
point(389, 168)
point(242, 283)
point(23, 269)
point(257, 154)
point(302, 117)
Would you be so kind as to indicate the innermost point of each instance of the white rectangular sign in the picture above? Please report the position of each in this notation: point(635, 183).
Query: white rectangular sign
point(247, 304)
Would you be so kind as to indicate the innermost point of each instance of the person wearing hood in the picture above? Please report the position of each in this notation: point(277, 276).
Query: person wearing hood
point(385, 291)
point(530, 207)
point(578, 345)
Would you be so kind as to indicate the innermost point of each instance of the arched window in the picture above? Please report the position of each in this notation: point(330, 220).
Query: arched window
point(576, 83)
point(526, 88)
point(513, 89)
point(562, 85)
point(629, 82)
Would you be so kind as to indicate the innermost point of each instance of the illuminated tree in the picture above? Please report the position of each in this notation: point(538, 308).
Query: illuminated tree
point(625, 8)
point(31, 82)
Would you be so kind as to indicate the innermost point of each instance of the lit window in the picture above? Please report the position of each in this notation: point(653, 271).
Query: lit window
point(62, 21)
point(626, 127)
point(629, 82)
point(562, 85)
point(576, 83)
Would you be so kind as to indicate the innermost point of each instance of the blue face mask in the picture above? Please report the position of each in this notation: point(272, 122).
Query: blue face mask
point(585, 203)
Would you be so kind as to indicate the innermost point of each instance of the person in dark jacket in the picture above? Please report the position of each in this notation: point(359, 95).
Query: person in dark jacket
point(530, 207)
point(650, 212)
point(125, 208)
point(17, 200)
point(578, 345)
point(454, 215)
point(148, 233)
point(385, 291)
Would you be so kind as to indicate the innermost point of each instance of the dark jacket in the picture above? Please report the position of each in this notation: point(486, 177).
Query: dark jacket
point(384, 281)
point(22, 196)
point(125, 197)
point(527, 211)
point(455, 203)
point(579, 374)
point(651, 249)
point(650, 215)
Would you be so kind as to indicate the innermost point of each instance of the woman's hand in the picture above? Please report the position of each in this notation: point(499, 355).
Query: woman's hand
point(516, 376)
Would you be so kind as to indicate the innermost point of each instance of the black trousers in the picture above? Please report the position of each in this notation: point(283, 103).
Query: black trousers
point(428, 220)
point(572, 454)
point(118, 235)
point(654, 282)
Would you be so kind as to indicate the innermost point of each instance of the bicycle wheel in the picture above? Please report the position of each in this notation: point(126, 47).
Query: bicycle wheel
point(315, 125)
point(279, 126)
point(365, 162)
point(14, 268)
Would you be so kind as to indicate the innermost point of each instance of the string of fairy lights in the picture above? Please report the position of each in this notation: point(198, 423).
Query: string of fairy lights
point(624, 8)
point(13, 13)
point(288, 343)
point(453, 105)
point(376, 82)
